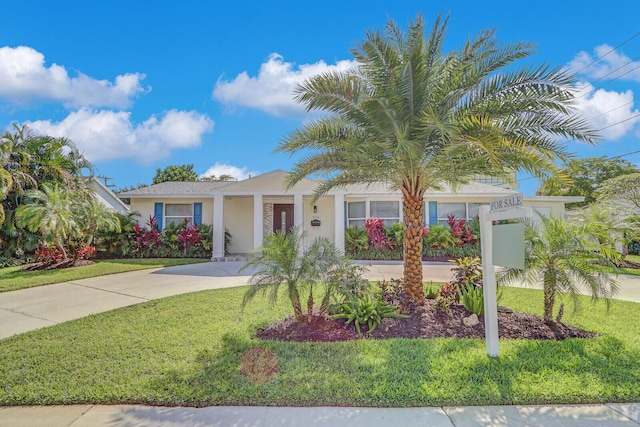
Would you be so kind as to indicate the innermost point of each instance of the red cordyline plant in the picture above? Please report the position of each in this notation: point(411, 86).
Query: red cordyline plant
point(189, 237)
point(375, 232)
point(461, 230)
point(54, 255)
point(146, 238)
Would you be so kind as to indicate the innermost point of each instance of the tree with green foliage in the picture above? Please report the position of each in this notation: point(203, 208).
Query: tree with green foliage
point(220, 178)
point(622, 192)
point(416, 115)
point(50, 212)
point(564, 256)
point(283, 261)
point(93, 216)
point(27, 162)
point(175, 173)
point(586, 177)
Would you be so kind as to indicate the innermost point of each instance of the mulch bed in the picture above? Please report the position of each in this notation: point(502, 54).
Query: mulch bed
point(55, 265)
point(425, 322)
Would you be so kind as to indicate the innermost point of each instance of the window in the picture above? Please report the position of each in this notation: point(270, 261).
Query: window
point(388, 211)
point(459, 210)
point(178, 213)
point(356, 213)
point(466, 211)
point(359, 212)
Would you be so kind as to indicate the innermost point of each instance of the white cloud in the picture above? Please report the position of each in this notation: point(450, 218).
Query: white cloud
point(25, 78)
point(271, 90)
point(110, 135)
point(613, 65)
point(227, 169)
point(610, 111)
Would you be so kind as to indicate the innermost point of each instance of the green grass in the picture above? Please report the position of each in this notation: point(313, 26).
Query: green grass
point(12, 278)
point(629, 271)
point(186, 350)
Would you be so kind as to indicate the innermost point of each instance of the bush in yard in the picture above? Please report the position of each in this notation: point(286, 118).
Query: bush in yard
point(356, 239)
point(376, 232)
point(366, 310)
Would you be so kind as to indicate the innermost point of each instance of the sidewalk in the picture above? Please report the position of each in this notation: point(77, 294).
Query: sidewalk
point(25, 310)
point(609, 415)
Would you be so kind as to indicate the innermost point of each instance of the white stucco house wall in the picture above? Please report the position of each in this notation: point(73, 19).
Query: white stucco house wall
point(255, 207)
point(104, 195)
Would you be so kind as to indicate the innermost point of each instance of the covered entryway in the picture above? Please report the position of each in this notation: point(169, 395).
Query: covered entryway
point(282, 217)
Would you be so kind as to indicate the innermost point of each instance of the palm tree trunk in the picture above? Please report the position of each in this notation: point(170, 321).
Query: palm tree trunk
point(413, 218)
point(310, 307)
point(549, 300)
point(60, 246)
point(297, 307)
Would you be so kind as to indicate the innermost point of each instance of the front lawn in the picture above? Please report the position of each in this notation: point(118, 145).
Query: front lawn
point(12, 278)
point(186, 350)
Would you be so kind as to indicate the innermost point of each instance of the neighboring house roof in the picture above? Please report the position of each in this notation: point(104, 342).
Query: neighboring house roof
point(176, 189)
point(104, 195)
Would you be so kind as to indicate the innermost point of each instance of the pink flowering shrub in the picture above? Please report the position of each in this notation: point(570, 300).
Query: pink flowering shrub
point(189, 237)
point(461, 231)
point(376, 233)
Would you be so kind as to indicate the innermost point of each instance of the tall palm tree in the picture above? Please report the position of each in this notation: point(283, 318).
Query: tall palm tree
point(416, 117)
point(50, 212)
point(564, 257)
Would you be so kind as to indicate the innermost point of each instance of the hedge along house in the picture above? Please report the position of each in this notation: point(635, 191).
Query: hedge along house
point(258, 206)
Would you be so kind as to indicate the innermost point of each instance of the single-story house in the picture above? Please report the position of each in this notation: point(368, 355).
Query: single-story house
point(253, 208)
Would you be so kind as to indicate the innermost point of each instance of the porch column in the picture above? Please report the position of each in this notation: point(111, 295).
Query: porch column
point(258, 221)
point(218, 227)
point(298, 210)
point(338, 207)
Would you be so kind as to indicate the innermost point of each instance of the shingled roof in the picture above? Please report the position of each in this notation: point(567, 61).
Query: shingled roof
point(177, 188)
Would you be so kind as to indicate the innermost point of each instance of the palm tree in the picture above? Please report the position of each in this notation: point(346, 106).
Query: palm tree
point(416, 117)
point(27, 161)
point(565, 256)
point(283, 261)
point(93, 216)
point(49, 212)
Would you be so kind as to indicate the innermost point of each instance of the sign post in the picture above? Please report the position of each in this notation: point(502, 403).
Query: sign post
point(509, 207)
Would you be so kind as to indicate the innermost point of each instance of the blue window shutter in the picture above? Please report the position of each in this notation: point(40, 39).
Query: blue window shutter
point(197, 213)
point(346, 221)
point(157, 212)
point(433, 213)
point(425, 217)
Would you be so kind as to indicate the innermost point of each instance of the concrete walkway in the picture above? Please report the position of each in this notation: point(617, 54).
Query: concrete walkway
point(609, 415)
point(29, 309)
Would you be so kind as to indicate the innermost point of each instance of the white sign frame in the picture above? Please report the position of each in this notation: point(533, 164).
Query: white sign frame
point(489, 287)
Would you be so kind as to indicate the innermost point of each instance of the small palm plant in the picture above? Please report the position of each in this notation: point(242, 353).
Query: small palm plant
point(565, 256)
point(282, 260)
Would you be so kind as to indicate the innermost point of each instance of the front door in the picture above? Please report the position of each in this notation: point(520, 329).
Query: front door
point(282, 217)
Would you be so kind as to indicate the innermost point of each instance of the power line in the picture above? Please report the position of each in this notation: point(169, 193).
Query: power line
point(621, 121)
point(612, 50)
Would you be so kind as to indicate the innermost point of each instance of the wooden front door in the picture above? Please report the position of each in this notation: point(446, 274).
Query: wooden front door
point(282, 217)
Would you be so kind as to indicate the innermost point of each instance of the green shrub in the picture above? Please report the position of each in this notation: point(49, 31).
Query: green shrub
point(472, 298)
point(356, 239)
point(395, 234)
point(366, 309)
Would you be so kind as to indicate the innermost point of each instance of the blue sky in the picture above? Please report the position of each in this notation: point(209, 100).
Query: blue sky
point(139, 85)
